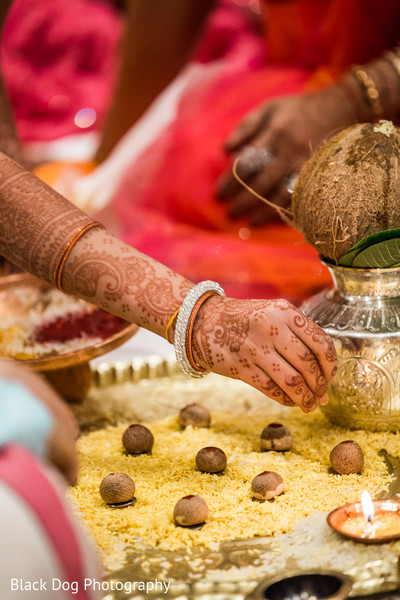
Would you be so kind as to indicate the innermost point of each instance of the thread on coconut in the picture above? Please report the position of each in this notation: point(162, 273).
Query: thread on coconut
point(285, 213)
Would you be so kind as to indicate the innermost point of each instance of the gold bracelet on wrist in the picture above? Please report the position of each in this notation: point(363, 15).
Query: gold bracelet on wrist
point(370, 90)
point(170, 322)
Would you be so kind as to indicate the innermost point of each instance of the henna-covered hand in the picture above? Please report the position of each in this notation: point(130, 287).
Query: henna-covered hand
point(269, 344)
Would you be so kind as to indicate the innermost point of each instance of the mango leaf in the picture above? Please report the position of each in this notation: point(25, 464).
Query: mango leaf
point(347, 259)
point(379, 256)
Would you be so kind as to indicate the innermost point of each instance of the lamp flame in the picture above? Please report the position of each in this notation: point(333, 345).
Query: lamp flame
point(367, 506)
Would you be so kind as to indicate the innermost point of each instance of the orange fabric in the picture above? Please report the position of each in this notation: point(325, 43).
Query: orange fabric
point(52, 172)
point(330, 34)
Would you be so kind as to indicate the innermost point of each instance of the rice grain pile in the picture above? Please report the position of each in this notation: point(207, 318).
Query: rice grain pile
point(26, 308)
point(170, 473)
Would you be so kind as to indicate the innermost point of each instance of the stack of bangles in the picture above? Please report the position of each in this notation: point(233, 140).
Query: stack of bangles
point(62, 259)
point(372, 97)
point(185, 318)
point(379, 84)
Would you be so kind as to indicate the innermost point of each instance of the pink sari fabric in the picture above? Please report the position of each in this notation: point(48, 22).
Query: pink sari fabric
point(40, 492)
point(166, 202)
point(58, 57)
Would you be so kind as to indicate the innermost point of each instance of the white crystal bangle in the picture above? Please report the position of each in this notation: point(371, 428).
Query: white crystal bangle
point(182, 322)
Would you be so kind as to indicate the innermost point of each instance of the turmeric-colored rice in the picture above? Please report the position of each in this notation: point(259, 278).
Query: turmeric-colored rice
point(169, 473)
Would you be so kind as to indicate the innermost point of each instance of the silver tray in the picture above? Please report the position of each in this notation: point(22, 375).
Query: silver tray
point(236, 567)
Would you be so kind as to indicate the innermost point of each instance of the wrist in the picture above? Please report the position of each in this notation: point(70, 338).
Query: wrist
point(185, 323)
point(387, 78)
point(374, 89)
point(204, 330)
point(352, 95)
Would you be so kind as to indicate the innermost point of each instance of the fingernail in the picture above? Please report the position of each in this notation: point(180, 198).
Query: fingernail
point(324, 400)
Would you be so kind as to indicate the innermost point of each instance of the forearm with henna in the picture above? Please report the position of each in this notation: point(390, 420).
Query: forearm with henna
point(36, 223)
point(118, 278)
point(268, 344)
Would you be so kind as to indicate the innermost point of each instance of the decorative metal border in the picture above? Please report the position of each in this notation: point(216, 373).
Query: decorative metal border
point(116, 373)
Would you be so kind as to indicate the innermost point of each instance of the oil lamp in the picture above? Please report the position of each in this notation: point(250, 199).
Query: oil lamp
point(369, 521)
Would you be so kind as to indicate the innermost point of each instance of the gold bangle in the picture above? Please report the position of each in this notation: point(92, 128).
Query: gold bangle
point(169, 324)
point(67, 249)
point(370, 90)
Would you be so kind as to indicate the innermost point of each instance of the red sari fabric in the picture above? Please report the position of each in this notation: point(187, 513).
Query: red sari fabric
point(166, 202)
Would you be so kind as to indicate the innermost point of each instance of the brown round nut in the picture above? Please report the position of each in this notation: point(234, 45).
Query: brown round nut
point(211, 460)
point(190, 510)
point(267, 485)
point(347, 457)
point(196, 415)
point(276, 436)
point(116, 488)
point(137, 439)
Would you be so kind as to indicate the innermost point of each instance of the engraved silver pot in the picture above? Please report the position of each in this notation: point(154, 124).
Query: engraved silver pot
point(362, 313)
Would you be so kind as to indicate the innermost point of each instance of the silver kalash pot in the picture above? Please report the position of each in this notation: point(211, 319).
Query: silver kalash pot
point(362, 313)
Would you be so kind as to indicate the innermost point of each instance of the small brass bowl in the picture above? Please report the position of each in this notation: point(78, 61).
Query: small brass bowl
point(318, 584)
point(387, 516)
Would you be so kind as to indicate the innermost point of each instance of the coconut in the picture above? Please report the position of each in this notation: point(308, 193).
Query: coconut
point(349, 188)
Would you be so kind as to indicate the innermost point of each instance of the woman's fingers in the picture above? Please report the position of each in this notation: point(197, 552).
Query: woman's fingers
point(290, 381)
point(252, 124)
point(265, 384)
point(264, 212)
point(300, 361)
point(319, 343)
point(304, 361)
point(259, 212)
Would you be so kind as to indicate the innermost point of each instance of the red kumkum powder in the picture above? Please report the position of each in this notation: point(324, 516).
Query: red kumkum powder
point(98, 324)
